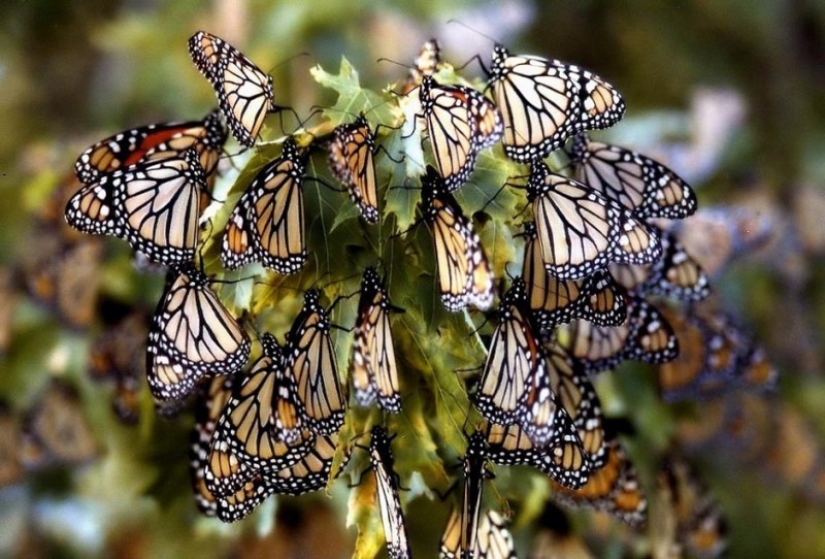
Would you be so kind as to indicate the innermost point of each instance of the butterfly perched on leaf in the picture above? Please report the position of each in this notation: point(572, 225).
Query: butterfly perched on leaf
point(579, 231)
point(544, 102)
point(153, 205)
point(640, 184)
point(513, 360)
point(267, 224)
point(460, 123)
point(464, 274)
point(311, 361)
point(192, 335)
point(155, 142)
point(352, 160)
point(374, 368)
point(492, 538)
point(245, 92)
point(392, 517)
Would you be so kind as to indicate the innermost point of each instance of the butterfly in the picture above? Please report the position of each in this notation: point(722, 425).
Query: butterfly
point(676, 274)
point(714, 236)
point(192, 335)
point(392, 518)
point(543, 102)
point(640, 184)
point(153, 205)
point(55, 429)
point(63, 275)
point(563, 458)
point(460, 123)
point(351, 158)
point(700, 525)
point(613, 489)
point(475, 471)
point(118, 356)
point(512, 361)
point(311, 362)
point(716, 357)
point(426, 63)
point(374, 368)
point(464, 275)
point(492, 541)
point(245, 92)
point(597, 298)
point(580, 231)
point(260, 425)
point(155, 142)
point(645, 336)
point(267, 224)
point(577, 396)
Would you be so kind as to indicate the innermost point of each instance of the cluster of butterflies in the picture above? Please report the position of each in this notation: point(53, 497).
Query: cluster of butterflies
point(598, 245)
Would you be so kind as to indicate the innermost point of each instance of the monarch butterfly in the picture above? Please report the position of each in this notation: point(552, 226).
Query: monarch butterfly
point(63, 275)
point(640, 184)
point(543, 102)
point(11, 470)
point(512, 361)
point(475, 474)
point(192, 335)
point(208, 407)
point(614, 489)
point(700, 525)
point(153, 205)
point(267, 223)
point(351, 153)
point(426, 63)
point(118, 356)
point(460, 123)
point(645, 336)
point(56, 430)
point(392, 518)
point(493, 540)
point(374, 369)
point(580, 231)
point(716, 235)
point(716, 356)
point(153, 142)
point(542, 414)
point(259, 425)
point(675, 274)
point(245, 92)
point(563, 458)
point(311, 362)
point(597, 298)
point(575, 392)
point(464, 275)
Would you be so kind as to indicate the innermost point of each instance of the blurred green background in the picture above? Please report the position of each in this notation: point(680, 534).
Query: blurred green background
point(730, 93)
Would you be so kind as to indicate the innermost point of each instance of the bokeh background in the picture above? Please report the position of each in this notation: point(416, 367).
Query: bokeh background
point(731, 94)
